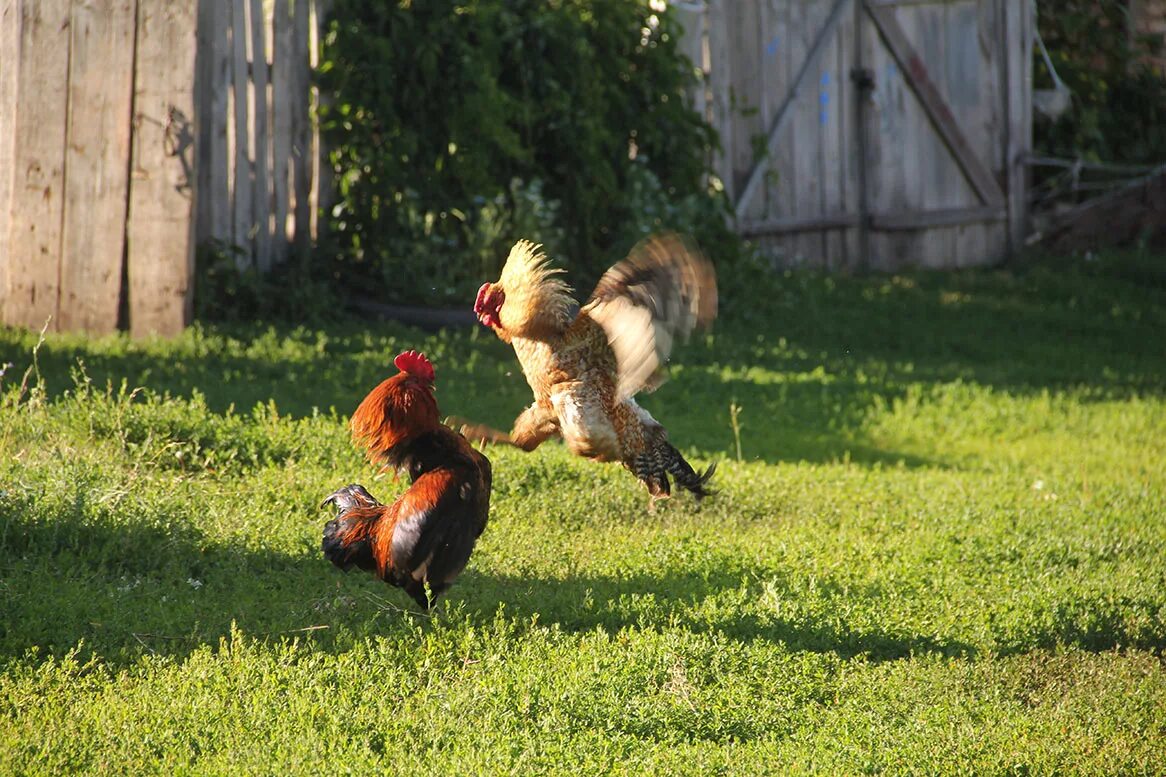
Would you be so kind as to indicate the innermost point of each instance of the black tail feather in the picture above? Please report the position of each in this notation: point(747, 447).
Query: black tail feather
point(340, 543)
point(686, 477)
point(348, 497)
point(346, 555)
point(654, 468)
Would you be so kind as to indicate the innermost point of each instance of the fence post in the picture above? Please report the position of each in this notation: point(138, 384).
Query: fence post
point(160, 246)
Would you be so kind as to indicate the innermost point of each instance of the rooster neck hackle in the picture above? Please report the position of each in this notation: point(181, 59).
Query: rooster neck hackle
point(397, 410)
point(538, 304)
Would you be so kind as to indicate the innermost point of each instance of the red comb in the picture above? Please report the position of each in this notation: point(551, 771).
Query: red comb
point(414, 363)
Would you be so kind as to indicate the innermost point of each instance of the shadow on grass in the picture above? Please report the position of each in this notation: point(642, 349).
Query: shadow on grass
point(149, 586)
point(678, 600)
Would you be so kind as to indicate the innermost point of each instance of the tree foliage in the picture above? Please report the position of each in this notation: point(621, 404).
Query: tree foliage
point(1118, 110)
point(457, 126)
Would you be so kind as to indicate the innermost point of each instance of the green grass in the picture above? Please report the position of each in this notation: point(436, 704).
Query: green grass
point(944, 550)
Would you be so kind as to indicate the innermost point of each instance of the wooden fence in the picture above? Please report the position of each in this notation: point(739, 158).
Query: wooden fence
point(102, 195)
point(870, 133)
point(855, 134)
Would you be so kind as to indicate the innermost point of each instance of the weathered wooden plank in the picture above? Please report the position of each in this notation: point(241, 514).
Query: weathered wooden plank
point(937, 110)
point(260, 190)
point(320, 168)
point(803, 129)
point(797, 224)
point(213, 91)
point(720, 82)
point(832, 70)
point(862, 85)
point(283, 60)
point(917, 219)
point(975, 99)
point(1018, 29)
point(38, 169)
point(301, 84)
point(753, 179)
point(768, 79)
point(785, 44)
point(243, 219)
point(101, 66)
point(746, 94)
point(160, 247)
point(776, 197)
point(847, 148)
point(9, 62)
point(887, 140)
point(937, 181)
point(905, 220)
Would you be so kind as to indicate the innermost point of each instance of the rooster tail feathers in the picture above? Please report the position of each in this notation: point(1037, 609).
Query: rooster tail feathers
point(685, 476)
point(348, 538)
point(342, 549)
point(655, 466)
point(354, 495)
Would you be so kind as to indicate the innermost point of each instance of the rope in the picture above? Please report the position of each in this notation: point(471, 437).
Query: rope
point(1058, 84)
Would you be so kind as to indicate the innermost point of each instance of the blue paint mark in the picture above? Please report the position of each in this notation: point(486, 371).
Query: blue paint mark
point(771, 47)
point(824, 100)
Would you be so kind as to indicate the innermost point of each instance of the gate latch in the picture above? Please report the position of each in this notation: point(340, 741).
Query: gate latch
point(863, 78)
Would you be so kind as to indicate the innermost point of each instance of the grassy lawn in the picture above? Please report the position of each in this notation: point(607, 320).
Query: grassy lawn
point(943, 549)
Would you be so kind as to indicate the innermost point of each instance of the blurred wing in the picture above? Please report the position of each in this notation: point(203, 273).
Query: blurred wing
point(659, 294)
point(436, 526)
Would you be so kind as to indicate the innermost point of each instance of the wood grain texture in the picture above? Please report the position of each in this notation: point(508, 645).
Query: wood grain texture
point(747, 97)
point(1017, 34)
point(97, 147)
point(260, 145)
point(807, 62)
point(241, 166)
point(720, 85)
point(214, 204)
point(160, 247)
point(920, 79)
point(283, 61)
point(301, 140)
point(10, 18)
point(38, 164)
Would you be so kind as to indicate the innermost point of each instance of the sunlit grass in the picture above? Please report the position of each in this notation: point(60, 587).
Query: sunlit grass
point(940, 549)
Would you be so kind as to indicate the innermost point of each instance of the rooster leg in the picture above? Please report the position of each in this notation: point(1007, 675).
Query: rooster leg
point(532, 428)
point(479, 433)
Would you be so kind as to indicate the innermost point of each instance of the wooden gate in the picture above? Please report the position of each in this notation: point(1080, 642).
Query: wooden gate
point(871, 133)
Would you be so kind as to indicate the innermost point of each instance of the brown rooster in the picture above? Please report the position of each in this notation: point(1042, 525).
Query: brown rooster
point(425, 537)
point(586, 367)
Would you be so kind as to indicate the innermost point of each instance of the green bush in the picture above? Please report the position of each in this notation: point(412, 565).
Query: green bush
point(1118, 111)
point(457, 127)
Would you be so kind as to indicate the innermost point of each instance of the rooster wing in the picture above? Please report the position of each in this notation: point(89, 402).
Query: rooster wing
point(663, 290)
point(437, 521)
